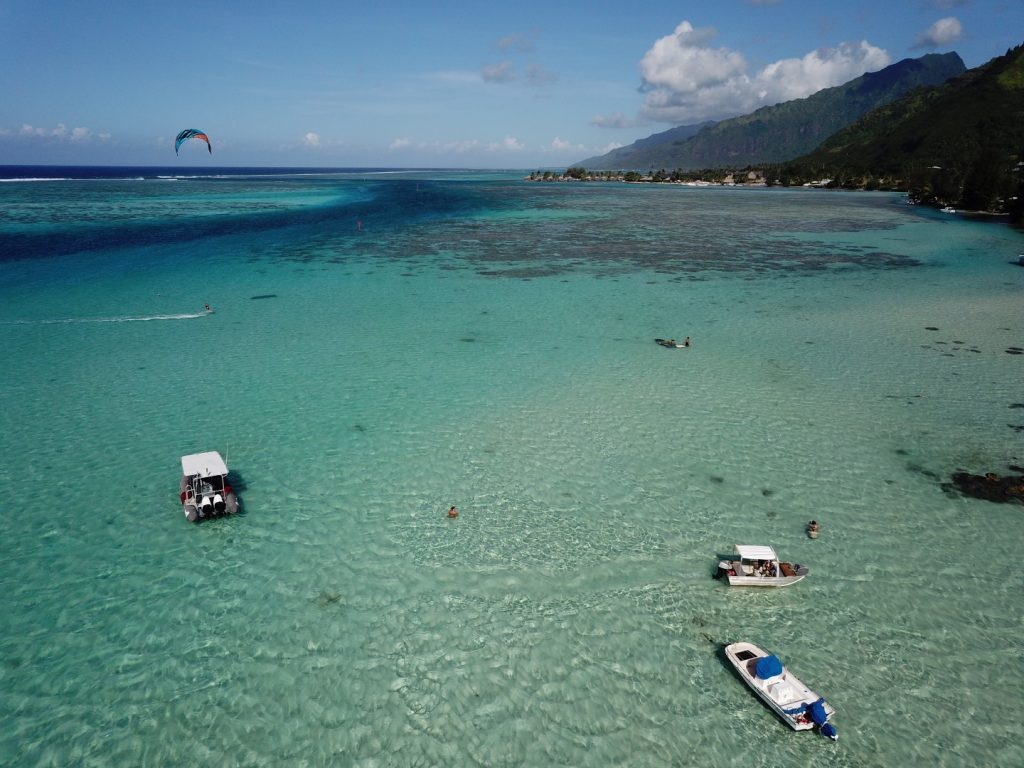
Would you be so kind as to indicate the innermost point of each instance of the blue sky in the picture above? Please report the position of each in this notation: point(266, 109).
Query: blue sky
point(435, 84)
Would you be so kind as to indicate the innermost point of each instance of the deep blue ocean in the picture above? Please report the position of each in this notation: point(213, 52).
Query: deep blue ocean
point(387, 343)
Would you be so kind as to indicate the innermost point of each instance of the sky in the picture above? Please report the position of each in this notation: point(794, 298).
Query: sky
point(435, 84)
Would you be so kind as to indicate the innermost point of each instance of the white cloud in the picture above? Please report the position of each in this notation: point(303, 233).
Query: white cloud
point(498, 73)
point(609, 147)
point(508, 144)
point(683, 63)
point(455, 77)
point(460, 146)
point(537, 75)
point(311, 139)
point(516, 43)
point(823, 68)
point(559, 145)
point(941, 33)
point(687, 81)
point(615, 120)
point(60, 133)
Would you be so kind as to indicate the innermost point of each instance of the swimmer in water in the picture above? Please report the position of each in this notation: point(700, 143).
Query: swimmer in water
point(452, 511)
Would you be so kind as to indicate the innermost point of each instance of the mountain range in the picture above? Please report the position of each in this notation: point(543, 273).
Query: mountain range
point(957, 124)
point(784, 131)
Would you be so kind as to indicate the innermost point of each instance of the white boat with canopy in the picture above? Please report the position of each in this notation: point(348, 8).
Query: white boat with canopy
point(204, 488)
point(758, 566)
point(801, 708)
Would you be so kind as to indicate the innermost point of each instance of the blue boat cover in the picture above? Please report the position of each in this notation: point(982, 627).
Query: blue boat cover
point(768, 666)
point(817, 712)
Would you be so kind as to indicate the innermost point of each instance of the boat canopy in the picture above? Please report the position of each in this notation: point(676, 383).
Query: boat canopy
point(748, 552)
point(203, 464)
point(768, 666)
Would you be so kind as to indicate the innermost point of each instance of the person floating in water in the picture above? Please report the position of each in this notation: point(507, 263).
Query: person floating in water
point(812, 529)
point(452, 511)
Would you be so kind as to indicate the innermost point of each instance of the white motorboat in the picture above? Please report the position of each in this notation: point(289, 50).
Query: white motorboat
point(780, 689)
point(204, 487)
point(758, 566)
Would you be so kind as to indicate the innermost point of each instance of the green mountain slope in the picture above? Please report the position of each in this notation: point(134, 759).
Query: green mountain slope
point(638, 154)
point(972, 125)
point(784, 131)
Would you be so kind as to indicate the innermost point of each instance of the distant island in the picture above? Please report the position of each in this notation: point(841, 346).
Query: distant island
point(956, 143)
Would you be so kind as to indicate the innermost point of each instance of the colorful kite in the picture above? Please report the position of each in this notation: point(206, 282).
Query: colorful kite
point(191, 133)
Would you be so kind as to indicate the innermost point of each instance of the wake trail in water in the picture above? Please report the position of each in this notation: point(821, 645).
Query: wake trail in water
point(122, 319)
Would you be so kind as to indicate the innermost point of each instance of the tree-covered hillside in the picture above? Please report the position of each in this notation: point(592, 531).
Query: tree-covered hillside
point(960, 143)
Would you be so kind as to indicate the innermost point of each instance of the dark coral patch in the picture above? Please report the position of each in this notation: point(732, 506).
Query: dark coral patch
point(989, 487)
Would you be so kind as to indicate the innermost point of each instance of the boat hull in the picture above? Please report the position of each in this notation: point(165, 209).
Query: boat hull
point(765, 581)
point(790, 693)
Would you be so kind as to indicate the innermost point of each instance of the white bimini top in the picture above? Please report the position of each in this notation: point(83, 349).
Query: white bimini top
point(750, 552)
point(203, 464)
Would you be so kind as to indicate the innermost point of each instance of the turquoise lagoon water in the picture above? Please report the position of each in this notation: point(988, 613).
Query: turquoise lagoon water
point(385, 346)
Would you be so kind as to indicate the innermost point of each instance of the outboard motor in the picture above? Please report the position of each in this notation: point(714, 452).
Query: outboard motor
point(206, 506)
point(820, 719)
point(218, 503)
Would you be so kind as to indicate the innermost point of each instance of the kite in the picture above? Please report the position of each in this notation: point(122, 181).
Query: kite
point(191, 133)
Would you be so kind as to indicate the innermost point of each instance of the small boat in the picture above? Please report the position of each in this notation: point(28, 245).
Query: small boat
point(1020, 259)
point(671, 343)
point(758, 566)
point(780, 689)
point(948, 209)
point(204, 487)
